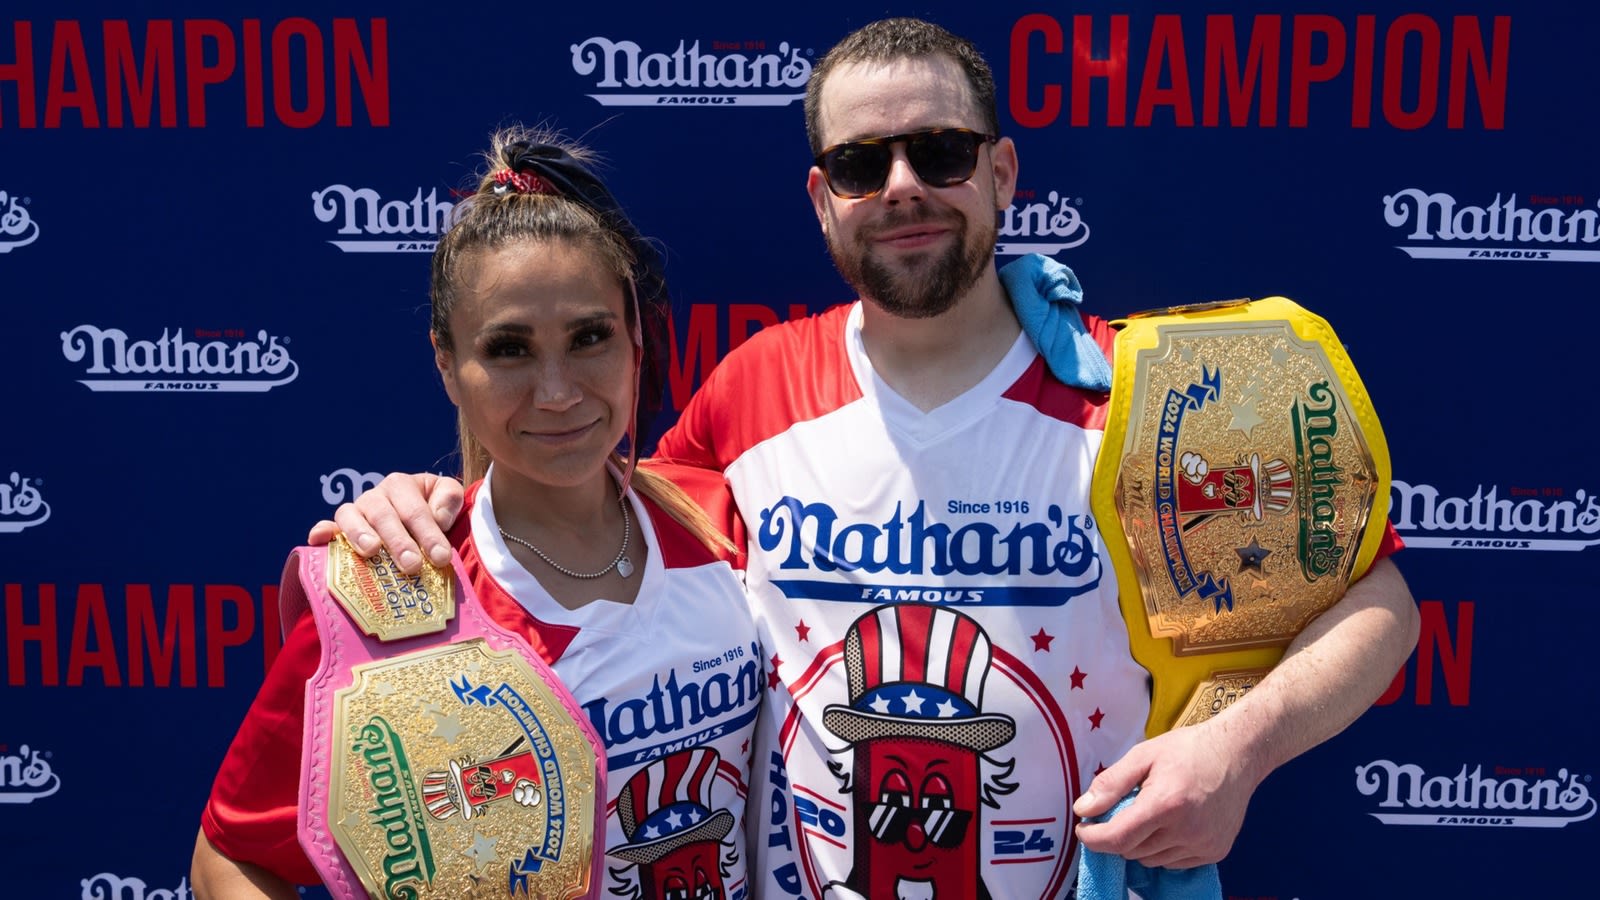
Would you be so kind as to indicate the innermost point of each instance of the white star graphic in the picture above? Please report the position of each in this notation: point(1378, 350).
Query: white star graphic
point(675, 820)
point(352, 820)
point(880, 705)
point(913, 702)
point(650, 832)
point(482, 851)
point(947, 709)
point(1244, 415)
point(694, 816)
point(448, 727)
point(384, 688)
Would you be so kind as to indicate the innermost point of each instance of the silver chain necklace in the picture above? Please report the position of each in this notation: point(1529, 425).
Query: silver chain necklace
point(622, 563)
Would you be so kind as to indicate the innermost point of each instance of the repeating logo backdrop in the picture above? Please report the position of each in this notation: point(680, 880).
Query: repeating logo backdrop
point(214, 227)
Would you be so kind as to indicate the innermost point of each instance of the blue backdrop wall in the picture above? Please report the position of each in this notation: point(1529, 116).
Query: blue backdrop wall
point(214, 227)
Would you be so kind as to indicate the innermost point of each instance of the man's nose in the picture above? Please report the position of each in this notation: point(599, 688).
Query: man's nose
point(902, 183)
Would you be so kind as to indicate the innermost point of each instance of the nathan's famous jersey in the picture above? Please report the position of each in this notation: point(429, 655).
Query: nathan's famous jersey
point(671, 683)
point(946, 661)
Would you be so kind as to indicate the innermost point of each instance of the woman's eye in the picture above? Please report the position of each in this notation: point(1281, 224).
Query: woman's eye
point(505, 349)
point(589, 337)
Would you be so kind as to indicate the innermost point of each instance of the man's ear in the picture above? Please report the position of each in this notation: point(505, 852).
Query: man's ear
point(1004, 166)
point(817, 187)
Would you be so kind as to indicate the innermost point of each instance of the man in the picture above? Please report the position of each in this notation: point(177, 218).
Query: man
point(940, 618)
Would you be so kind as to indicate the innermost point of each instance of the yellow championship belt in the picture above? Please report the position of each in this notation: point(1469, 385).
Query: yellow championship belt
point(1242, 485)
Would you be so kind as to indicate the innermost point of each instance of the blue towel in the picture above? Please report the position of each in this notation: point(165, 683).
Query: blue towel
point(1106, 876)
point(1046, 295)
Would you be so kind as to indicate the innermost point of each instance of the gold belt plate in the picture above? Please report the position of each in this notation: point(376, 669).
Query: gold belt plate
point(1242, 467)
point(385, 602)
point(458, 773)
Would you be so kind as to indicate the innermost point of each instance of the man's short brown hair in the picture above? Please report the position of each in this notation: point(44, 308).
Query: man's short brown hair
point(888, 40)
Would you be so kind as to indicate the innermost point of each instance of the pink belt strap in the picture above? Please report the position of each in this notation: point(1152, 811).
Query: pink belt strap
point(345, 646)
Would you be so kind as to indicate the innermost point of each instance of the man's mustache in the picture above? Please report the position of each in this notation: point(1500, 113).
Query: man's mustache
point(900, 218)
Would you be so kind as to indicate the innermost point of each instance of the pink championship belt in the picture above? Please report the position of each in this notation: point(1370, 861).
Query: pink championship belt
point(441, 755)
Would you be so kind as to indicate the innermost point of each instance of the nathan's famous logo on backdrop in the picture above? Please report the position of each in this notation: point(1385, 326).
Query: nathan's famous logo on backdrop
point(116, 73)
point(341, 485)
point(25, 775)
point(1044, 224)
point(1512, 797)
point(370, 224)
point(107, 886)
point(1495, 518)
point(1408, 71)
point(1545, 227)
point(21, 505)
point(208, 360)
point(17, 228)
point(713, 73)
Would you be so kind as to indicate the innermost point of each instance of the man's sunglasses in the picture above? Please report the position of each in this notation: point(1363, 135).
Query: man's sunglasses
point(941, 157)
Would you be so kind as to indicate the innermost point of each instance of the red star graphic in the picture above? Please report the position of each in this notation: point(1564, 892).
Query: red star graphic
point(1041, 641)
point(772, 679)
point(803, 630)
point(745, 747)
point(1077, 679)
point(1095, 718)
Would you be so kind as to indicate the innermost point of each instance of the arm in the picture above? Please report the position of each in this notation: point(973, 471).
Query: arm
point(213, 875)
point(1195, 782)
point(403, 513)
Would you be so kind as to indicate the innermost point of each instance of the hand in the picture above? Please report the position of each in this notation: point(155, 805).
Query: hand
point(403, 513)
point(1193, 791)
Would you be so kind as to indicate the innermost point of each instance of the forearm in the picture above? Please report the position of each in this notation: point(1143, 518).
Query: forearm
point(1330, 674)
point(214, 876)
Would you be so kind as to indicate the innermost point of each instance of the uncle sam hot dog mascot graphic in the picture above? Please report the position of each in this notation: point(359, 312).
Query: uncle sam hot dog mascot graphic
point(673, 834)
point(920, 739)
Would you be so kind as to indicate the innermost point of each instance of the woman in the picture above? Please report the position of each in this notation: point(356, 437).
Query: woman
point(544, 302)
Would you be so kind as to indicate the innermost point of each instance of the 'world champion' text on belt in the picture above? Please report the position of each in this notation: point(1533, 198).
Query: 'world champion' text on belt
point(1168, 435)
point(507, 698)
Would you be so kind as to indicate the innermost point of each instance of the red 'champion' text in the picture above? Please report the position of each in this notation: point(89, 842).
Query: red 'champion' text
point(1400, 72)
point(118, 74)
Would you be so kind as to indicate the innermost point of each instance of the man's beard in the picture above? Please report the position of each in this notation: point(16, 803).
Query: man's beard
point(929, 285)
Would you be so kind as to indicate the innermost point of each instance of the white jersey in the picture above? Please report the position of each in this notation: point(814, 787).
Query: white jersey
point(672, 683)
point(946, 661)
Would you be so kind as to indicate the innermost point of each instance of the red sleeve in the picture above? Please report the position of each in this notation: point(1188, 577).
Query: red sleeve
point(252, 812)
point(691, 440)
point(784, 374)
point(710, 491)
point(1391, 542)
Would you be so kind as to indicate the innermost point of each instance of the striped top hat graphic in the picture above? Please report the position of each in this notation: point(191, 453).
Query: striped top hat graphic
point(917, 671)
point(666, 805)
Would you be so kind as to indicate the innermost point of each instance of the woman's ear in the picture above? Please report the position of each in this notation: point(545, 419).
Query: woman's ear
point(444, 361)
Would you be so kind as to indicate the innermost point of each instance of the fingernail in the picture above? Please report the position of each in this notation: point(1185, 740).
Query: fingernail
point(439, 555)
point(367, 544)
point(409, 559)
